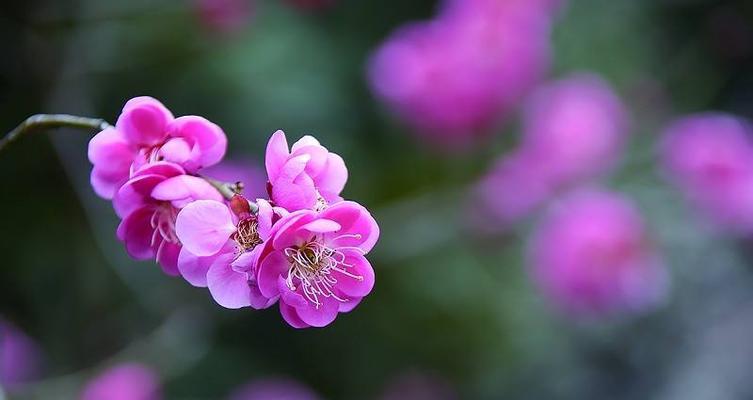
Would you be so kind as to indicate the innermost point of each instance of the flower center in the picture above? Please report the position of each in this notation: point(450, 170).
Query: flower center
point(247, 234)
point(312, 265)
point(163, 223)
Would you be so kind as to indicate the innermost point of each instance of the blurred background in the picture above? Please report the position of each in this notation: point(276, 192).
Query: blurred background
point(561, 214)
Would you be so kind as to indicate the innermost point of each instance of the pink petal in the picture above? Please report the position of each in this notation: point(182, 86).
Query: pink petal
point(247, 261)
point(184, 189)
point(175, 150)
point(110, 152)
point(167, 257)
point(204, 226)
point(317, 158)
point(265, 215)
point(306, 140)
point(331, 180)
point(290, 315)
point(321, 225)
point(258, 300)
point(349, 305)
point(276, 155)
point(144, 121)
point(163, 168)
point(104, 185)
point(194, 268)
point(289, 296)
point(136, 231)
point(359, 229)
point(289, 233)
point(228, 288)
point(296, 195)
point(208, 140)
point(134, 194)
point(271, 267)
point(322, 316)
point(360, 266)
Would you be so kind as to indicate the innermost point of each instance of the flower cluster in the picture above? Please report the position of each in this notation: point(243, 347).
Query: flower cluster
point(303, 247)
point(453, 77)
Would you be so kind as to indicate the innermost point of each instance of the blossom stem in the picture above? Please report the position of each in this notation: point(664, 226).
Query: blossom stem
point(51, 121)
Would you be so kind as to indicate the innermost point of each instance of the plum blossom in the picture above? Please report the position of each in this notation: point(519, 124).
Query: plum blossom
point(591, 256)
point(147, 132)
point(574, 130)
point(149, 203)
point(578, 125)
point(710, 158)
point(306, 176)
point(314, 262)
point(221, 247)
point(274, 389)
point(20, 358)
point(130, 381)
point(452, 78)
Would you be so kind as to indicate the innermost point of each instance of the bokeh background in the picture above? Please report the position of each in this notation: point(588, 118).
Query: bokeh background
point(455, 312)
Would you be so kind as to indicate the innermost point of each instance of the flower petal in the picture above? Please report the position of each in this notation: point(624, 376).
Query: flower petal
point(167, 256)
point(209, 142)
point(134, 194)
point(136, 232)
point(290, 315)
point(105, 185)
point(359, 228)
point(176, 150)
point(276, 155)
point(194, 268)
point(204, 226)
point(360, 267)
point(144, 121)
point(321, 225)
point(184, 189)
point(228, 287)
point(270, 268)
point(349, 305)
point(320, 316)
point(110, 152)
point(331, 180)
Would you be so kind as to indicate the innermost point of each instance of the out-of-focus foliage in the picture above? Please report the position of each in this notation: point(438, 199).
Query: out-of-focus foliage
point(449, 303)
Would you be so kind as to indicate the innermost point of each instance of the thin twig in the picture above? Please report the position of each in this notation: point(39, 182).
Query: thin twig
point(51, 121)
point(228, 190)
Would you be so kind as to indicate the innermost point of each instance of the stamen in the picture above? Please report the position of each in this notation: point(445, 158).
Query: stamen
point(247, 234)
point(312, 266)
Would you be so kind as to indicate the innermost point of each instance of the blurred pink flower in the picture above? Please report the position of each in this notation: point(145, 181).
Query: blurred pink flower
point(307, 176)
point(710, 157)
point(130, 381)
point(574, 130)
point(225, 16)
point(221, 248)
point(514, 188)
point(240, 170)
point(274, 389)
point(20, 358)
point(452, 78)
point(591, 255)
point(576, 126)
point(315, 263)
point(418, 386)
point(147, 132)
point(148, 205)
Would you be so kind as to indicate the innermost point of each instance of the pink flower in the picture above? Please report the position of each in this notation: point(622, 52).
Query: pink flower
point(576, 127)
point(307, 176)
point(149, 202)
point(314, 261)
point(147, 132)
point(225, 16)
point(454, 77)
point(274, 389)
point(591, 256)
point(710, 157)
point(574, 131)
point(221, 247)
point(130, 381)
point(20, 358)
point(514, 188)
